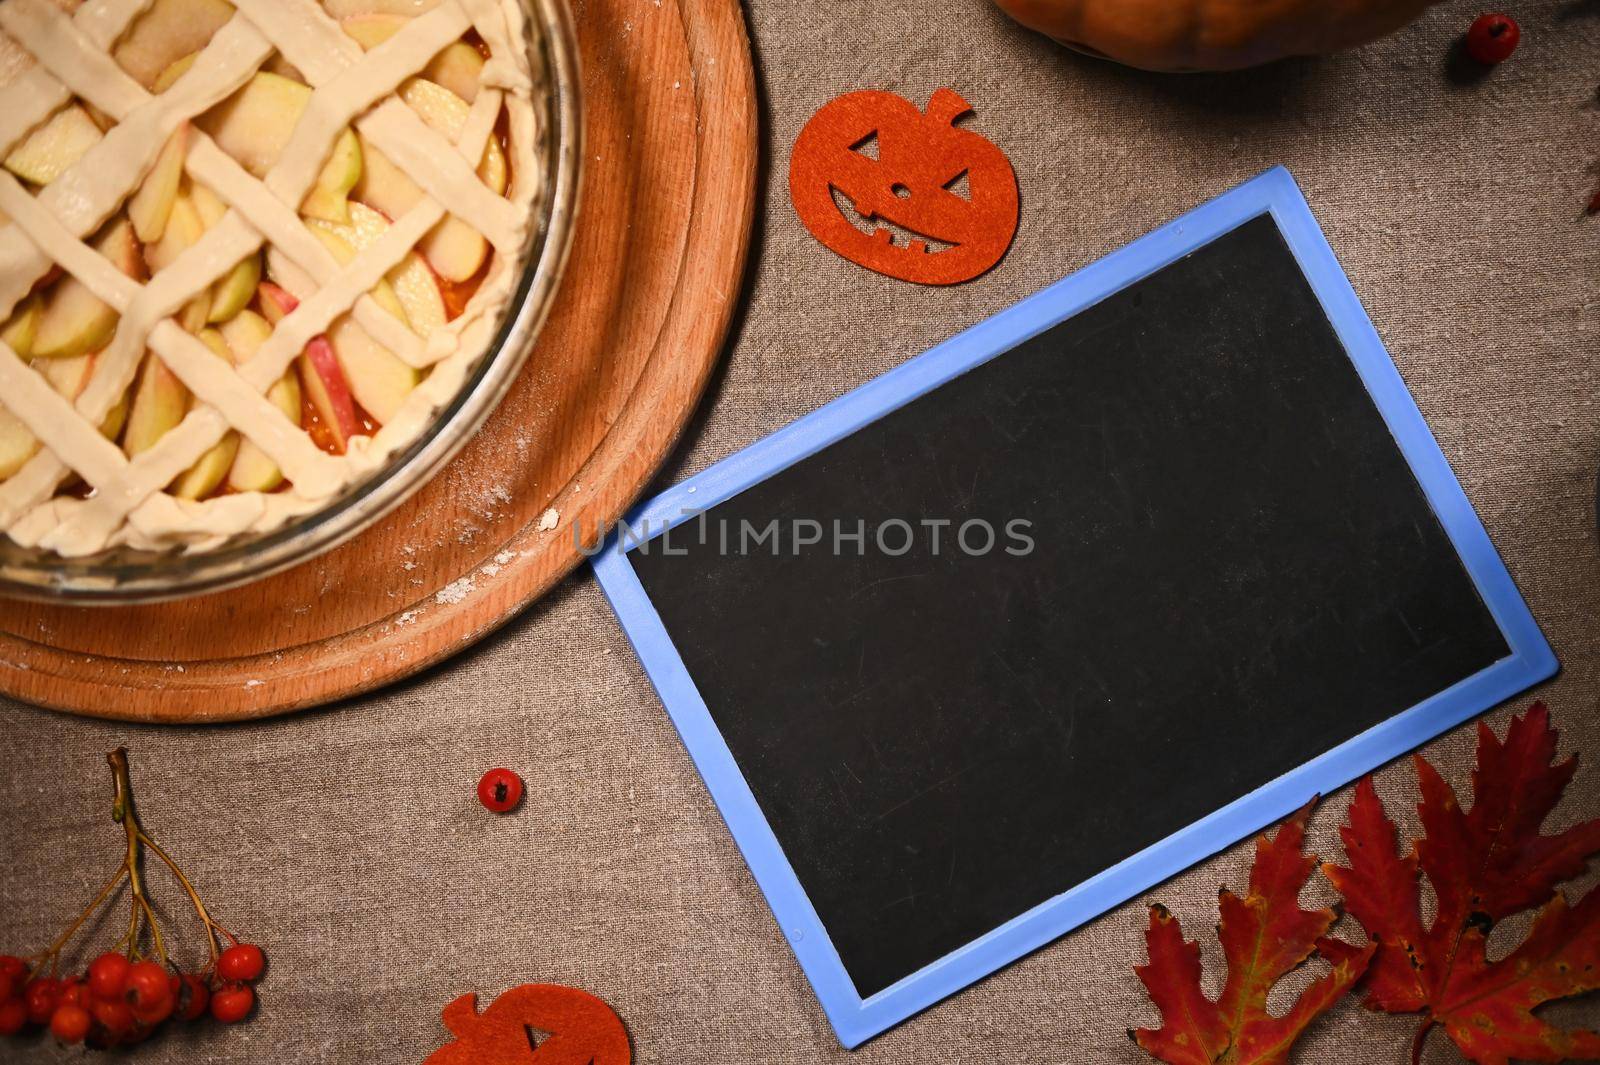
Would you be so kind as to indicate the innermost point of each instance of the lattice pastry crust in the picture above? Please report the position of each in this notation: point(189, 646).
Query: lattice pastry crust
point(197, 419)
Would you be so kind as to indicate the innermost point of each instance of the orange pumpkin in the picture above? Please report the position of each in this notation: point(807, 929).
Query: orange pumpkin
point(1211, 34)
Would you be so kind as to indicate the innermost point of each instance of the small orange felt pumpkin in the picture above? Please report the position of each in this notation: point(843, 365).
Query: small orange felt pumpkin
point(583, 1030)
point(1212, 34)
point(893, 163)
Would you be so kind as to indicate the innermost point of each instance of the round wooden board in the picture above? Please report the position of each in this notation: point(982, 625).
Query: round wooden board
point(668, 194)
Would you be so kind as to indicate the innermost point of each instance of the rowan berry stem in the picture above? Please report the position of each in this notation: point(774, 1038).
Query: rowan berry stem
point(147, 989)
point(124, 813)
point(54, 952)
point(211, 926)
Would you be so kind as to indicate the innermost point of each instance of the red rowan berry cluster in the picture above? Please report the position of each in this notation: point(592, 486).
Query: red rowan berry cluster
point(129, 992)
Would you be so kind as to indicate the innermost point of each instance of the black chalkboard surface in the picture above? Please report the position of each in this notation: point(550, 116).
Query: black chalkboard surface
point(1232, 570)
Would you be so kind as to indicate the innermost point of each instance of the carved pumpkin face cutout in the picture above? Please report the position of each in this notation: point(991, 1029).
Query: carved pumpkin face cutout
point(581, 1030)
point(903, 192)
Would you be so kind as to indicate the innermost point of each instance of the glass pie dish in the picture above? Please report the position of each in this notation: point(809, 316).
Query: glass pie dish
point(129, 571)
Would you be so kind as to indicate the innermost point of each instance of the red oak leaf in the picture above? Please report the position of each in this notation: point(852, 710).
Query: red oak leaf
point(1483, 865)
point(1264, 936)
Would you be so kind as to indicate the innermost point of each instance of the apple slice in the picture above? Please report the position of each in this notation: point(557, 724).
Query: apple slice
point(207, 204)
point(245, 334)
point(149, 207)
point(343, 8)
point(183, 231)
point(159, 403)
point(413, 281)
point(280, 66)
point(116, 418)
point(329, 198)
point(231, 295)
point(19, 332)
point(54, 146)
point(73, 320)
point(255, 123)
point(332, 236)
point(192, 316)
point(17, 445)
point(330, 396)
point(201, 479)
point(454, 249)
point(276, 303)
point(213, 339)
point(233, 292)
point(458, 68)
point(167, 30)
point(178, 69)
point(252, 470)
point(447, 113)
point(69, 377)
point(379, 381)
point(319, 371)
point(101, 119)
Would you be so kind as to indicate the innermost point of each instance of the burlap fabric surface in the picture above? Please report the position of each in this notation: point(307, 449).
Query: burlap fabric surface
point(348, 840)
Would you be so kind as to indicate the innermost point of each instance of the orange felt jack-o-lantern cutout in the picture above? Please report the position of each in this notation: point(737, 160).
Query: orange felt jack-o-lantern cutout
point(951, 192)
point(582, 1030)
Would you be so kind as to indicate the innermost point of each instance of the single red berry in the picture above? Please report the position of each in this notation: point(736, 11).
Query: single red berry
point(74, 992)
point(232, 1004)
point(147, 987)
point(500, 790)
point(108, 975)
point(243, 962)
point(114, 1014)
point(70, 1023)
point(151, 1013)
point(1493, 38)
point(193, 998)
point(42, 996)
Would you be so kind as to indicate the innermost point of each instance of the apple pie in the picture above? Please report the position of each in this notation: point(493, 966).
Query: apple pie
point(248, 250)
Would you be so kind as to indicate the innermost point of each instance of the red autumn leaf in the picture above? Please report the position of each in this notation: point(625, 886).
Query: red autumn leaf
point(1264, 936)
point(1483, 865)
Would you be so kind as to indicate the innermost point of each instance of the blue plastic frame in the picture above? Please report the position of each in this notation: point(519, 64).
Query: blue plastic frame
point(855, 1019)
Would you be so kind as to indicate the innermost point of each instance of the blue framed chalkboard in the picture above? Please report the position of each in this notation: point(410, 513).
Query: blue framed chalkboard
point(1293, 458)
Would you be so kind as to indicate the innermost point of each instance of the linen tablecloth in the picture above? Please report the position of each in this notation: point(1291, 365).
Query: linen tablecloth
point(348, 840)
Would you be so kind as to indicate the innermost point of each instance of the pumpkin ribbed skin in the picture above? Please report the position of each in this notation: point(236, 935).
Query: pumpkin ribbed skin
point(1179, 35)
